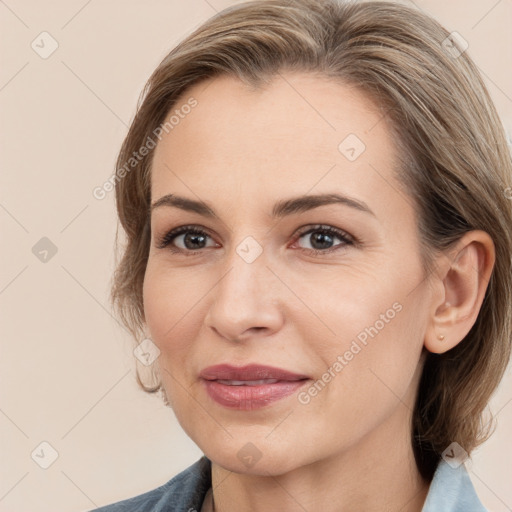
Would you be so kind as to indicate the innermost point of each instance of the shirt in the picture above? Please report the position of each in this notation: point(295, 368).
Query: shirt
point(451, 490)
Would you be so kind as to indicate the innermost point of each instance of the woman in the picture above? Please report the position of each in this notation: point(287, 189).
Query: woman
point(314, 196)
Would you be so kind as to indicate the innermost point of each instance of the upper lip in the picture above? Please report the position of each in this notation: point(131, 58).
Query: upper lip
point(250, 372)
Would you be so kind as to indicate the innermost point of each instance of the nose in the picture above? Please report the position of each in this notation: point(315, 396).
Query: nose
point(246, 302)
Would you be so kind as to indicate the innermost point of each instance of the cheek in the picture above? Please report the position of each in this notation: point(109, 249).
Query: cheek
point(372, 320)
point(172, 305)
point(379, 356)
point(369, 369)
point(159, 303)
point(171, 301)
point(345, 302)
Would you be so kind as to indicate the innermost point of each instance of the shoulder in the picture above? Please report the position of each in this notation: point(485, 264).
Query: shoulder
point(451, 490)
point(184, 492)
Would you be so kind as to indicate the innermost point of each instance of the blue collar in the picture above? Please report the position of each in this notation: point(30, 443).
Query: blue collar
point(451, 490)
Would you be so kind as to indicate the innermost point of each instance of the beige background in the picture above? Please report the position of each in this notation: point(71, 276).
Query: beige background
point(67, 368)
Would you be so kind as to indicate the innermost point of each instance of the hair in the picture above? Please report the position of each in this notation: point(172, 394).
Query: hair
point(454, 163)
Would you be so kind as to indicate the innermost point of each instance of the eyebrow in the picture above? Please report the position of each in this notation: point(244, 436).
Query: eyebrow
point(281, 208)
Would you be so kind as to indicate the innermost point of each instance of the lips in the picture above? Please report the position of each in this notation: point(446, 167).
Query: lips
point(247, 382)
point(248, 373)
point(249, 387)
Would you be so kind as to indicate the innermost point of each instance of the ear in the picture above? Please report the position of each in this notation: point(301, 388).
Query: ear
point(460, 284)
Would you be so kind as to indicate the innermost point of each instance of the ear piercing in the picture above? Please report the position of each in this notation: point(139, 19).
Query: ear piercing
point(440, 337)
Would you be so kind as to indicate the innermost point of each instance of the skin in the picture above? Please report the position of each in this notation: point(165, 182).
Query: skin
point(241, 150)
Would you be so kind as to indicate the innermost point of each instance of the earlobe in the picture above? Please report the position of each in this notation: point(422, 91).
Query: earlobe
point(463, 280)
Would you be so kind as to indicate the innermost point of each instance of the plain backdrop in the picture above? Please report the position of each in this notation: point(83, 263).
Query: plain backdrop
point(67, 368)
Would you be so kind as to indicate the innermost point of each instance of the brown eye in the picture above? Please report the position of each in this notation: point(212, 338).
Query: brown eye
point(324, 239)
point(186, 239)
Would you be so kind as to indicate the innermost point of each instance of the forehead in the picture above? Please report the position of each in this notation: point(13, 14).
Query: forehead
point(298, 131)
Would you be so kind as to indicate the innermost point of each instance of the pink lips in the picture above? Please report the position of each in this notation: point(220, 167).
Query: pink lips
point(249, 387)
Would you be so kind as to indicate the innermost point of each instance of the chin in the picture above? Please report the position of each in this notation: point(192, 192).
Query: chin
point(254, 455)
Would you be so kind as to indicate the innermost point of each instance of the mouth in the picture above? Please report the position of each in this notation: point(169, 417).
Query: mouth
point(249, 387)
point(247, 382)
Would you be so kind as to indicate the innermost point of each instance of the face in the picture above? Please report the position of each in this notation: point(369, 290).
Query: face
point(284, 286)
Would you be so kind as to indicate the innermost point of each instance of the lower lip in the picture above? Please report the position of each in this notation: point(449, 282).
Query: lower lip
point(249, 398)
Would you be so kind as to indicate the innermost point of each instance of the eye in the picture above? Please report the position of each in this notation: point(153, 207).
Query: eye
point(317, 239)
point(186, 239)
point(323, 239)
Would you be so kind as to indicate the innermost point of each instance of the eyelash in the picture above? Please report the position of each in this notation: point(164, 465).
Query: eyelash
point(346, 239)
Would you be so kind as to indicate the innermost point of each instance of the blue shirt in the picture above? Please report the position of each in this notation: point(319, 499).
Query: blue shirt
point(451, 490)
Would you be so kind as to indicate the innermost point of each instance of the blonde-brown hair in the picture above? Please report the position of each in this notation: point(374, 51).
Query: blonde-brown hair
point(455, 163)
